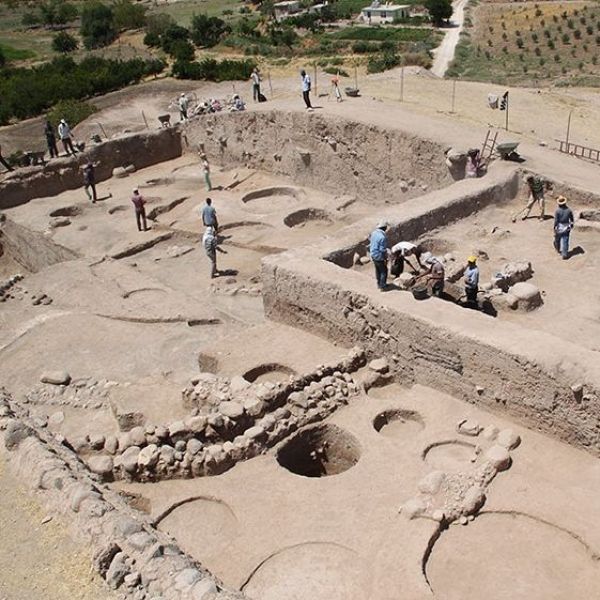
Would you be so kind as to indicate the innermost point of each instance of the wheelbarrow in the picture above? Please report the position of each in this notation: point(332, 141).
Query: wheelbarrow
point(352, 92)
point(508, 150)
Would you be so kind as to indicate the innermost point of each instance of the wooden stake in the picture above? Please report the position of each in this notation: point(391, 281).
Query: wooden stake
point(270, 84)
point(453, 94)
point(102, 128)
point(402, 81)
point(355, 77)
point(568, 129)
point(316, 85)
point(145, 121)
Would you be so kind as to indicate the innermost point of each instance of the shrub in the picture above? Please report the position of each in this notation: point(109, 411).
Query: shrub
point(542, 62)
point(182, 50)
point(97, 25)
point(598, 40)
point(439, 10)
point(580, 66)
point(152, 39)
point(364, 47)
point(551, 45)
point(565, 38)
point(557, 58)
point(65, 43)
point(73, 111)
point(520, 43)
point(2, 58)
point(174, 33)
point(504, 36)
point(589, 30)
point(594, 59)
point(336, 71)
point(570, 24)
point(29, 19)
point(53, 13)
point(577, 34)
point(159, 23)
point(534, 37)
point(538, 12)
point(383, 62)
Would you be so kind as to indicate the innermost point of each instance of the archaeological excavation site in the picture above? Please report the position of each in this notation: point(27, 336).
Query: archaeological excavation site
point(285, 430)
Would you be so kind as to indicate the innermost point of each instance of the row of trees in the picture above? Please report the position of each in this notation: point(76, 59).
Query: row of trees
point(27, 92)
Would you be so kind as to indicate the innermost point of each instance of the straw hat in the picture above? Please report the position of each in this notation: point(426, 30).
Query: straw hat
point(382, 224)
point(561, 200)
point(472, 259)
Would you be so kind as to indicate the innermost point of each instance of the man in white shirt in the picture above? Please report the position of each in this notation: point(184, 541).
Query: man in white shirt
point(306, 89)
point(400, 253)
point(64, 133)
point(209, 241)
point(255, 77)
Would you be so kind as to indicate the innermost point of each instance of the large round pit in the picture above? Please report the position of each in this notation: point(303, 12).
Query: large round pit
point(398, 423)
point(272, 199)
point(319, 451)
point(307, 216)
point(273, 372)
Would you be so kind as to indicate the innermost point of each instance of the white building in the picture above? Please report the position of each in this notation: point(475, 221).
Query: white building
point(384, 13)
point(286, 9)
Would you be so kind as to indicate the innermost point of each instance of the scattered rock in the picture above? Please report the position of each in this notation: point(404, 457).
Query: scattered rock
point(16, 432)
point(414, 508)
point(233, 410)
point(205, 589)
point(404, 281)
point(473, 500)
point(56, 377)
point(379, 365)
point(119, 172)
point(499, 457)
point(432, 482)
point(148, 456)
point(508, 439)
point(490, 432)
point(528, 295)
point(129, 459)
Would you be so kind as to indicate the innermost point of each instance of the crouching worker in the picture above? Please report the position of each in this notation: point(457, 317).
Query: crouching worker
point(435, 274)
point(400, 253)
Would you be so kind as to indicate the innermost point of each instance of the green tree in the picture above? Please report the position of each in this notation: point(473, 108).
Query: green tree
point(173, 34)
point(54, 13)
point(208, 31)
point(128, 15)
point(97, 25)
point(63, 42)
point(439, 10)
point(182, 50)
point(159, 23)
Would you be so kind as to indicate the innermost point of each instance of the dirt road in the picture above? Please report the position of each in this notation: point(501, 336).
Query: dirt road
point(444, 53)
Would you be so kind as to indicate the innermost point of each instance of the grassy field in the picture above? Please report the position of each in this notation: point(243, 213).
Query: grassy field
point(380, 34)
point(531, 44)
point(184, 10)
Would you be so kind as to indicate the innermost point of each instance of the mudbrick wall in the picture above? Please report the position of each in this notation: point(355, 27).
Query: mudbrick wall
point(32, 250)
point(333, 154)
point(484, 361)
point(140, 150)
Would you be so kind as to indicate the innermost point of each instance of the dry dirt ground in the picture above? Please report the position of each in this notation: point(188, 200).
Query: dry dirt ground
point(132, 331)
point(38, 557)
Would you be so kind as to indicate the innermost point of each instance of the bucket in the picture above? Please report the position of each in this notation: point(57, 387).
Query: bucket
point(420, 292)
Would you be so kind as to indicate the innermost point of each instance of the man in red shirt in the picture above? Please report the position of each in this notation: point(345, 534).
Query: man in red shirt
point(140, 210)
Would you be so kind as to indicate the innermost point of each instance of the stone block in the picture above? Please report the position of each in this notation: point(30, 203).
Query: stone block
point(56, 377)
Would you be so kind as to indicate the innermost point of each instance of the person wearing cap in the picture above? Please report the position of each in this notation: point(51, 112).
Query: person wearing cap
point(64, 133)
point(563, 224)
point(183, 107)
point(435, 274)
point(379, 251)
point(209, 215)
point(400, 253)
point(536, 194)
point(140, 210)
point(473, 163)
point(89, 181)
point(209, 241)
point(471, 280)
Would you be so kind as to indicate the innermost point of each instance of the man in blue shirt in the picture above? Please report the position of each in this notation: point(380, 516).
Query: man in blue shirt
point(209, 215)
point(472, 281)
point(379, 253)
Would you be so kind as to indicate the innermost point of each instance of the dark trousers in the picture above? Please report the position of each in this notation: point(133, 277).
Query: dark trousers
point(381, 273)
point(5, 164)
point(68, 146)
point(183, 114)
point(397, 266)
point(91, 196)
point(306, 96)
point(471, 293)
point(255, 91)
point(140, 217)
point(51, 142)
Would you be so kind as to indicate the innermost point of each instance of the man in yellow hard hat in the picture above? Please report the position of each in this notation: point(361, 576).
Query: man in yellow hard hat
point(472, 281)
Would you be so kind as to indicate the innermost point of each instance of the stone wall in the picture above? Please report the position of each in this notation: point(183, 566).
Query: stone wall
point(334, 154)
point(469, 355)
point(140, 150)
point(128, 551)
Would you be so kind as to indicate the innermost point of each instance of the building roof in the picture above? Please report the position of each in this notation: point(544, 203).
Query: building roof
point(386, 7)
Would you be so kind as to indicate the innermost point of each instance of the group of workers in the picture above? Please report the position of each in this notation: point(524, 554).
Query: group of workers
point(429, 269)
